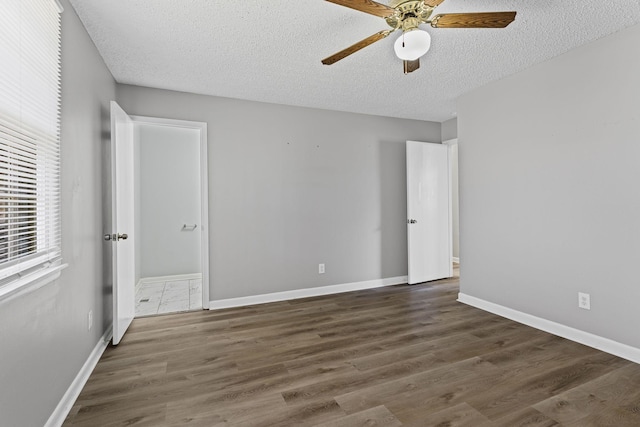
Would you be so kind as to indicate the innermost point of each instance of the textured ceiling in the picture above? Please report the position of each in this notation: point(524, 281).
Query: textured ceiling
point(270, 51)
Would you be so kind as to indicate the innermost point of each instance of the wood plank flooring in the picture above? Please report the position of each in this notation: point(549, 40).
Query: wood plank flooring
point(394, 356)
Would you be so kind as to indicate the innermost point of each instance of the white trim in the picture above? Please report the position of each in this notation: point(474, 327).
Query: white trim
point(605, 344)
point(66, 403)
point(31, 282)
point(204, 190)
point(306, 293)
point(175, 278)
point(22, 267)
point(160, 121)
point(450, 191)
point(453, 141)
point(204, 206)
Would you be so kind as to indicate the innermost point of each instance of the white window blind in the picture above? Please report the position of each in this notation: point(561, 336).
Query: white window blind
point(29, 136)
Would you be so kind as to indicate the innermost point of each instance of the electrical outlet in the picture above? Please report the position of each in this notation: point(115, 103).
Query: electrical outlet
point(90, 320)
point(320, 268)
point(584, 301)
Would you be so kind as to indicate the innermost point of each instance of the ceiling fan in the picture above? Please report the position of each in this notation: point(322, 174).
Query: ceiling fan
point(407, 15)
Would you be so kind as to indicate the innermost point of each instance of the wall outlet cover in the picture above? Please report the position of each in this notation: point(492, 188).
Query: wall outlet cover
point(584, 301)
point(320, 268)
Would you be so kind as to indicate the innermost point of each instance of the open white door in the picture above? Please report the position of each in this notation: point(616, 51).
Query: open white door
point(122, 237)
point(429, 212)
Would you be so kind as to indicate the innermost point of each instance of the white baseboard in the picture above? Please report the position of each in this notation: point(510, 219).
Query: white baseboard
point(66, 403)
point(456, 259)
point(175, 278)
point(305, 293)
point(605, 344)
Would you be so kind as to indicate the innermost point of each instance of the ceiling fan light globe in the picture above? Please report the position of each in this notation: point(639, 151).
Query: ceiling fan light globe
point(411, 45)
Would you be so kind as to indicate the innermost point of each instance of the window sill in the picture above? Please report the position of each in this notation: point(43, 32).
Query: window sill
point(31, 282)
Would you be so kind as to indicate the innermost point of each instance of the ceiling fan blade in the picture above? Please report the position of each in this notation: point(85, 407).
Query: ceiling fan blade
point(411, 66)
point(473, 20)
point(367, 6)
point(433, 3)
point(356, 47)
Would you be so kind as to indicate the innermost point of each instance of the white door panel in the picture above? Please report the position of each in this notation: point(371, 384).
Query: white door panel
point(122, 171)
point(429, 212)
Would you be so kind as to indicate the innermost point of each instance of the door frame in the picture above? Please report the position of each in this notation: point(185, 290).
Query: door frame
point(455, 226)
point(204, 190)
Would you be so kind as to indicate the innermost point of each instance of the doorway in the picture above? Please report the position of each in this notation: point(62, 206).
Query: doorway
point(170, 216)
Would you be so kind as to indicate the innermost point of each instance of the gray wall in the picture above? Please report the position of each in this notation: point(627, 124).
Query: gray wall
point(549, 188)
point(43, 335)
point(169, 198)
point(290, 188)
point(449, 129)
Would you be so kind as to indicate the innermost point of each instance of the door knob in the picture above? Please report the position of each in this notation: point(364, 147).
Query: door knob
point(116, 237)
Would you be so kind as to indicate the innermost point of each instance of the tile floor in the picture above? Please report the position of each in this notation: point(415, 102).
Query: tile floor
point(168, 297)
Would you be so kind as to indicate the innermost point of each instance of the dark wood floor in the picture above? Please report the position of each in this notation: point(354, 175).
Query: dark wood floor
point(395, 356)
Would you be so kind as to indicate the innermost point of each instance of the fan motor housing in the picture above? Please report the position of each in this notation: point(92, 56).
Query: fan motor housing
point(409, 13)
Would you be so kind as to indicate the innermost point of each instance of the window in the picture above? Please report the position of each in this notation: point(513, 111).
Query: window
point(29, 137)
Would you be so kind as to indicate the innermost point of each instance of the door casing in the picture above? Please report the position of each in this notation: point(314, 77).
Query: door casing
point(204, 191)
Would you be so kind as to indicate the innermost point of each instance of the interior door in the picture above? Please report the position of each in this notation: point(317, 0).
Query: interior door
point(122, 237)
point(429, 229)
